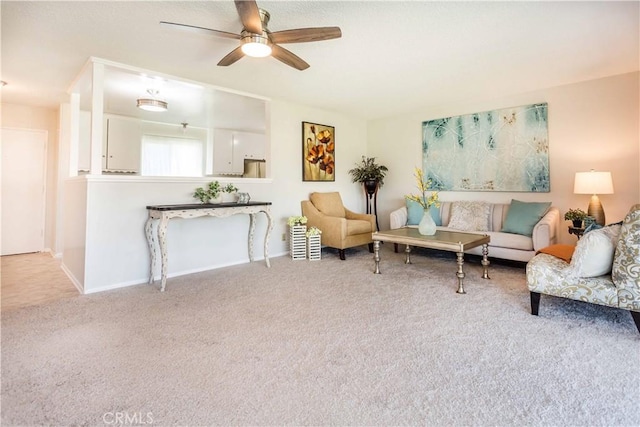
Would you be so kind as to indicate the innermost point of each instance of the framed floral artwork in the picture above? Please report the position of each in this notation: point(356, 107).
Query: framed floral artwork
point(318, 152)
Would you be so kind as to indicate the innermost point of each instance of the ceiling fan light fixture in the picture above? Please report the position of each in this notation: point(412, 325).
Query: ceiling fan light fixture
point(152, 104)
point(256, 45)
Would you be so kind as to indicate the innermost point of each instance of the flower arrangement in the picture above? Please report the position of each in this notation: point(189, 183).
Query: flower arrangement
point(296, 220)
point(313, 231)
point(575, 215)
point(424, 199)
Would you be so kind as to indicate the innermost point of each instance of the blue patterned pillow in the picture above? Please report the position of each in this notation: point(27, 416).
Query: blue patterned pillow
point(415, 211)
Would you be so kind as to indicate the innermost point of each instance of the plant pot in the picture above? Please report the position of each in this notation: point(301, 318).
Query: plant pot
point(370, 185)
point(298, 241)
point(313, 247)
point(577, 223)
point(228, 197)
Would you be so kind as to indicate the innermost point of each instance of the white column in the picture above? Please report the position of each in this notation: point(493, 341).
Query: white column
point(97, 114)
point(73, 131)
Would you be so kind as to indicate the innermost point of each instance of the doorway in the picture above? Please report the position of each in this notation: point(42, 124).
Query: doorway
point(24, 154)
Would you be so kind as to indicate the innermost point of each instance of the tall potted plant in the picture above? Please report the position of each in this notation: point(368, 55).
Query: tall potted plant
point(369, 173)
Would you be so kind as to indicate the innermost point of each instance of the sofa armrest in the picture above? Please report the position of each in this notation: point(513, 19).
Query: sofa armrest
point(398, 218)
point(363, 217)
point(545, 232)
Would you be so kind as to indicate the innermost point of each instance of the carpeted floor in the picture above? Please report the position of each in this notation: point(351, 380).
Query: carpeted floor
point(319, 343)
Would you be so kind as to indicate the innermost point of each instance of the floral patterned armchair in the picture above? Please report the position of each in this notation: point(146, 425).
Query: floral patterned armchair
point(580, 279)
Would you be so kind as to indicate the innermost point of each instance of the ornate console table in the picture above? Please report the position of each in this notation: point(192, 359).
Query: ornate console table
point(163, 213)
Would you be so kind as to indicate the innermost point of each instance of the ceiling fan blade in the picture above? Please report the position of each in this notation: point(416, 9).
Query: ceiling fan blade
point(249, 15)
point(302, 35)
point(200, 30)
point(289, 58)
point(231, 57)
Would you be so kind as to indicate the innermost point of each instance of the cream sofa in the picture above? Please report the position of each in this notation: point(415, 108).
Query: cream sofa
point(580, 280)
point(509, 246)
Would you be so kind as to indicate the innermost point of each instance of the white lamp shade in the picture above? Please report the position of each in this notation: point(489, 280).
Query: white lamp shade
point(593, 183)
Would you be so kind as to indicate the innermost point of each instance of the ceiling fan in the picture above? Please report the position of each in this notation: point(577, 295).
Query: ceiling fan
point(256, 39)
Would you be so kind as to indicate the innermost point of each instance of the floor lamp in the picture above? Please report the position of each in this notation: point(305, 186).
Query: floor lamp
point(594, 183)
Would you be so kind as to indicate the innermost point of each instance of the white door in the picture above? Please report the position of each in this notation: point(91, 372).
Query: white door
point(23, 185)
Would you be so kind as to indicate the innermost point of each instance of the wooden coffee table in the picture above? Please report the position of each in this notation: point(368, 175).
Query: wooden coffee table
point(457, 242)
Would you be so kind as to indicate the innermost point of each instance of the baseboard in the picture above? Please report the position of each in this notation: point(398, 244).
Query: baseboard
point(73, 278)
point(157, 277)
point(56, 255)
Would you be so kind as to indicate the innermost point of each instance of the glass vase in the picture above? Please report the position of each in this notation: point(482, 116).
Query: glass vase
point(427, 226)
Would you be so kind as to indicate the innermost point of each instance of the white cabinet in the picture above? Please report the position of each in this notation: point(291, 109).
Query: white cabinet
point(124, 138)
point(120, 144)
point(250, 145)
point(223, 152)
point(231, 147)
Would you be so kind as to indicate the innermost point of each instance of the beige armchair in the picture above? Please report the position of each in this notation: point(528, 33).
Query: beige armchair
point(340, 227)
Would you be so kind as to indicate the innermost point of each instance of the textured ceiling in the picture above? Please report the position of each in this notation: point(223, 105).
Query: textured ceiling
point(393, 56)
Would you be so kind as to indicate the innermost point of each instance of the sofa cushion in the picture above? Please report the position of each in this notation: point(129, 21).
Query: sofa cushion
point(328, 203)
point(470, 216)
point(415, 212)
point(523, 216)
point(594, 252)
point(511, 241)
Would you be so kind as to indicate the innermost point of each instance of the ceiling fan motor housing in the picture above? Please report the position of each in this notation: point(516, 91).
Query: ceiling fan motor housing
point(264, 18)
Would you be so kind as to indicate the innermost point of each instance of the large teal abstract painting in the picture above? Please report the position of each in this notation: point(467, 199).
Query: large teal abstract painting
point(499, 150)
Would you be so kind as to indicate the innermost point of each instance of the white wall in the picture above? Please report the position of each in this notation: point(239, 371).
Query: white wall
point(592, 125)
point(116, 250)
point(74, 222)
point(26, 117)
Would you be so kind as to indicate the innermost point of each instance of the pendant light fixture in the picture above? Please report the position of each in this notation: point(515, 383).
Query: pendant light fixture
point(152, 103)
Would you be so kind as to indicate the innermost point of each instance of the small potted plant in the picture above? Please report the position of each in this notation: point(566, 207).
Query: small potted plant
point(576, 216)
point(369, 173)
point(297, 236)
point(313, 243)
point(209, 195)
point(229, 193)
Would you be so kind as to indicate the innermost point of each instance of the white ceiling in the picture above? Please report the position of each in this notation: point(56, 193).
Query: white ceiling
point(392, 57)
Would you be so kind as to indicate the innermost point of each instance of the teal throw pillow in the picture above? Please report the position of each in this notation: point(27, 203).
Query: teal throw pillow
point(523, 216)
point(415, 211)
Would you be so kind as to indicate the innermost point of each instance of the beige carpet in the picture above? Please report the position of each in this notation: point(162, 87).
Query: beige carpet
point(322, 343)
